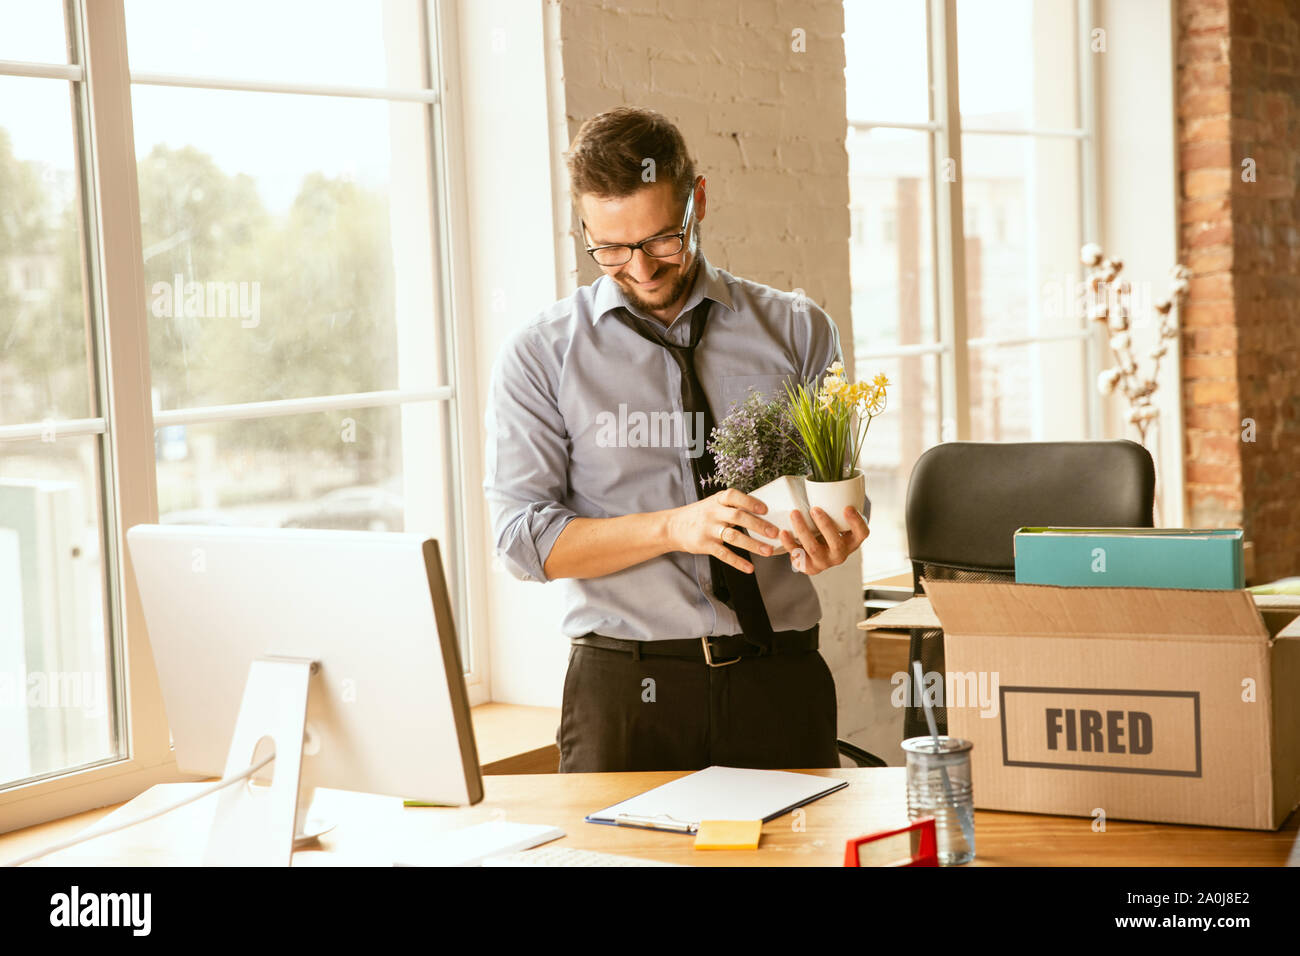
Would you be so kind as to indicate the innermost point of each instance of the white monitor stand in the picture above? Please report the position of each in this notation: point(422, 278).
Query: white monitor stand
point(259, 826)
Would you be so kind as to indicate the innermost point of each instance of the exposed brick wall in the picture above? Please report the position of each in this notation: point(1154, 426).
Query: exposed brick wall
point(1238, 100)
point(765, 124)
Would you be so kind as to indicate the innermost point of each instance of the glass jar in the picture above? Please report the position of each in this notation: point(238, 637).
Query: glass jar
point(939, 786)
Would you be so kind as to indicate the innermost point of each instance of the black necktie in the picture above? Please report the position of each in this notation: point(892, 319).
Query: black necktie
point(733, 587)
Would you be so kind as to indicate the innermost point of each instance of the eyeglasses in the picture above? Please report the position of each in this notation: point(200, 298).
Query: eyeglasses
point(659, 247)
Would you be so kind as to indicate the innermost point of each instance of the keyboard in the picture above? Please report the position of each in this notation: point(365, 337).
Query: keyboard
point(568, 856)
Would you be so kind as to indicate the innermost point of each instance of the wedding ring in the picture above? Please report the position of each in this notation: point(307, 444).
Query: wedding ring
point(722, 535)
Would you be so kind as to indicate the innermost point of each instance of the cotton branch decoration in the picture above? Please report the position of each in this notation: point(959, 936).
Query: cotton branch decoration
point(1109, 302)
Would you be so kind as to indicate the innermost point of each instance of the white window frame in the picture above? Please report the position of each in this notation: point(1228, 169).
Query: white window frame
point(126, 426)
point(945, 131)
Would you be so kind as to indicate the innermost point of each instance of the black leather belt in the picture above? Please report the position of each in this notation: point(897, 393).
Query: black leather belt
point(716, 651)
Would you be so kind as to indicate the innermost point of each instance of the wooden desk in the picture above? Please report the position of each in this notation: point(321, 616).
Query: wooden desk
point(375, 830)
point(511, 738)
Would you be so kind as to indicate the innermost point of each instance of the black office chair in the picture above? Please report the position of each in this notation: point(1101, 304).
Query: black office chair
point(860, 757)
point(966, 499)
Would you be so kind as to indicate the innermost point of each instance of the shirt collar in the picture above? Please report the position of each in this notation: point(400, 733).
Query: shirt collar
point(708, 284)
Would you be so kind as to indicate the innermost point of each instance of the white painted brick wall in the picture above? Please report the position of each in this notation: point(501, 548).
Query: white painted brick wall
point(766, 125)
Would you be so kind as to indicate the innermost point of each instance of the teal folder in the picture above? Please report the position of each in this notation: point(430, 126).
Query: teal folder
point(1201, 559)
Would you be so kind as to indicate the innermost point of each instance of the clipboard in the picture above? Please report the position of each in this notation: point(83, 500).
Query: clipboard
point(717, 793)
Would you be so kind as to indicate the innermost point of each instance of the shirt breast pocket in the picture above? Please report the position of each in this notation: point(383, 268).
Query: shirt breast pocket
point(736, 387)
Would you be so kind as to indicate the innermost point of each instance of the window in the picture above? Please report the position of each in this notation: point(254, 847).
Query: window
point(299, 369)
point(857, 225)
point(971, 315)
point(59, 681)
point(271, 295)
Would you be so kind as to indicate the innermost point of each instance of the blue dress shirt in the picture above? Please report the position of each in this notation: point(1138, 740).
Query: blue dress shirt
point(584, 419)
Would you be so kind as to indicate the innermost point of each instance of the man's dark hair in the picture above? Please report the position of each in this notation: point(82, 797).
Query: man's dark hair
point(608, 157)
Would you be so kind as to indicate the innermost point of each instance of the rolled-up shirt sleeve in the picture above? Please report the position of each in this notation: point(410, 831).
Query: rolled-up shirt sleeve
point(526, 460)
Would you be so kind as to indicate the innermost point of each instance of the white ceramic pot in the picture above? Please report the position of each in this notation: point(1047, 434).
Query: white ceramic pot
point(834, 496)
point(782, 496)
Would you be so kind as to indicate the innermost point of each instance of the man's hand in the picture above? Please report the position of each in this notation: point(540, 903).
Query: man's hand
point(703, 527)
point(811, 554)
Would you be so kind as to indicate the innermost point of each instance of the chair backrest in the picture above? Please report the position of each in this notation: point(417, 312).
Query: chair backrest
point(965, 499)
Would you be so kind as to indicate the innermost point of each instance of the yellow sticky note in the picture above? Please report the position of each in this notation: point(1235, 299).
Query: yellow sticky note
point(728, 834)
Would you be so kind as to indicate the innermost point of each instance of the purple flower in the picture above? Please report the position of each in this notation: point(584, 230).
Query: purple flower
point(755, 444)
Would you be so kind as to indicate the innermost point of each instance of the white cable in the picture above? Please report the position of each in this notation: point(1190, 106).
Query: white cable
point(102, 831)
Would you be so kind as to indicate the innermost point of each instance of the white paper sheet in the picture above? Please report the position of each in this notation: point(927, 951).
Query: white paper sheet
point(723, 793)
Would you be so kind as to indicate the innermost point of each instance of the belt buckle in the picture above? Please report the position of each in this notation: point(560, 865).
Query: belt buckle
point(708, 655)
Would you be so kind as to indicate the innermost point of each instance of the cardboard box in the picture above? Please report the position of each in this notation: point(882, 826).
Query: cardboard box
point(1171, 706)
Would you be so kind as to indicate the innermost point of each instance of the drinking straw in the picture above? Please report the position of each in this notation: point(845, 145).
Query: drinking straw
point(964, 815)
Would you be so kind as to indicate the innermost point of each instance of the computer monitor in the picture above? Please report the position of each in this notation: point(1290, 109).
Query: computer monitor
point(235, 616)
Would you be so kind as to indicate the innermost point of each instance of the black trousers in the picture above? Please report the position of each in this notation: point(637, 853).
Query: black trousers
point(668, 713)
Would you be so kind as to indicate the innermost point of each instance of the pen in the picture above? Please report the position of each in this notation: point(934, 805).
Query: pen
point(661, 822)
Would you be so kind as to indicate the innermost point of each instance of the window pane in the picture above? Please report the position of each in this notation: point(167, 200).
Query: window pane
point(336, 42)
point(338, 469)
point(1035, 392)
point(885, 61)
point(896, 439)
point(891, 241)
point(893, 304)
point(56, 684)
point(1018, 63)
point(366, 469)
point(1023, 234)
point(276, 263)
point(1022, 279)
point(33, 31)
point(44, 370)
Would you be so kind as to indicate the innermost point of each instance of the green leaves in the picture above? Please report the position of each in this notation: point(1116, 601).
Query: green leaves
point(824, 427)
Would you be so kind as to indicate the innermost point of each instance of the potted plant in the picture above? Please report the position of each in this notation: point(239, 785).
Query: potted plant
point(832, 420)
point(756, 449)
point(800, 452)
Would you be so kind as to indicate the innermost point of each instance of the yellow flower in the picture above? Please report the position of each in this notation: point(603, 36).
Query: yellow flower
point(876, 403)
point(833, 389)
point(867, 398)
